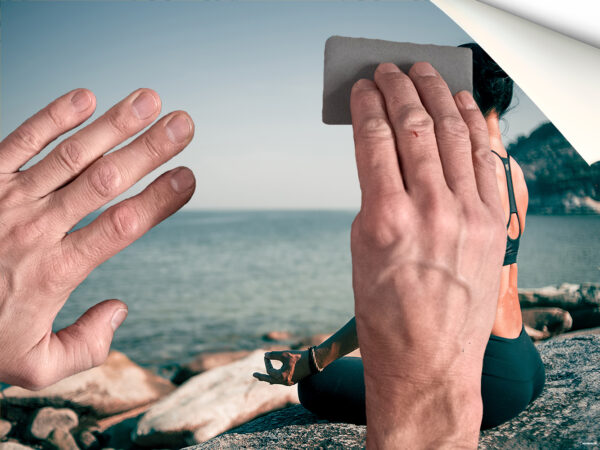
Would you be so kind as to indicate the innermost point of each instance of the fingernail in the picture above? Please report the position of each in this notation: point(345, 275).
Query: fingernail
point(178, 128)
point(424, 69)
point(144, 105)
point(387, 67)
point(118, 318)
point(81, 101)
point(182, 180)
point(466, 100)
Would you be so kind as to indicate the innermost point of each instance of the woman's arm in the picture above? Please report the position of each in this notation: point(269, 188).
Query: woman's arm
point(294, 363)
point(339, 344)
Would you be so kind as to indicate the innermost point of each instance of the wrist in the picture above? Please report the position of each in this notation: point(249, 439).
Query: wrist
point(322, 356)
point(441, 413)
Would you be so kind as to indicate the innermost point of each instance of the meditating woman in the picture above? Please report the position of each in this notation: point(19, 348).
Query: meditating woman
point(332, 386)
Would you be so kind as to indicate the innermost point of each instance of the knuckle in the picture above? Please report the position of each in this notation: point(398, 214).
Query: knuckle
point(401, 84)
point(54, 116)
point(123, 221)
point(97, 347)
point(451, 125)
point(155, 147)
point(382, 227)
point(476, 126)
point(484, 160)
point(105, 179)
point(414, 118)
point(374, 127)
point(368, 99)
point(119, 120)
point(70, 155)
point(57, 277)
point(26, 137)
point(30, 231)
point(443, 215)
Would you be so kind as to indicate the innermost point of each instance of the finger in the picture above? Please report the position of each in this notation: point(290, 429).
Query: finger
point(35, 133)
point(451, 132)
point(376, 157)
point(75, 154)
point(116, 172)
point(413, 127)
point(484, 166)
point(263, 377)
point(127, 221)
point(86, 343)
point(272, 371)
point(276, 355)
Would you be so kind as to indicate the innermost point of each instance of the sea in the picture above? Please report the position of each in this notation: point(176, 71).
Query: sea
point(219, 280)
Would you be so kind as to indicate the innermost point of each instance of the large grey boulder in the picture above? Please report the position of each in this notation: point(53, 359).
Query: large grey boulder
point(292, 427)
point(117, 385)
point(211, 403)
point(566, 415)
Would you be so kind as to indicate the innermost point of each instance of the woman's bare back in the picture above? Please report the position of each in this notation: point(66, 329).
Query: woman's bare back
point(508, 323)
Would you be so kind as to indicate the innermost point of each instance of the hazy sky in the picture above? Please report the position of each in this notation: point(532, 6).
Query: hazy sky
point(249, 74)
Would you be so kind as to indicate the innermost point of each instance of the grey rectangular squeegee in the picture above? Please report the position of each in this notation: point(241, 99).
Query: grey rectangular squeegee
point(349, 59)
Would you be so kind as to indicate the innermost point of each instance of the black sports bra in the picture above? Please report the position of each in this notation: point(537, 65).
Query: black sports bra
point(512, 245)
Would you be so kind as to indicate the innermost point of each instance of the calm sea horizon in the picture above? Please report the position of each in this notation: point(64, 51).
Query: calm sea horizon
point(219, 280)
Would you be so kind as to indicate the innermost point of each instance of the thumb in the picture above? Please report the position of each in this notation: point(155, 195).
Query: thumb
point(86, 343)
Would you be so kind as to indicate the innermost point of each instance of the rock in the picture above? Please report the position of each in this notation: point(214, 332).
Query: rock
point(117, 385)
point(61, 439)
point(5, 427)
point(206, 361)
point(292, 427)
point(49, 419)
point(13, 445)
point(569, 297)
point(211, 403)
point(87, 440)
point(587, 332)
point(277, 336)
point(566, 415)
point(552, 320)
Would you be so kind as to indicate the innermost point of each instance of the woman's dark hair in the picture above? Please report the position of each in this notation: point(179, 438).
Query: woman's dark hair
point(492, 87)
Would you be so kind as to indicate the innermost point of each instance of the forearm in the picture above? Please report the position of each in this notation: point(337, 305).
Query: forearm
point(344, 341)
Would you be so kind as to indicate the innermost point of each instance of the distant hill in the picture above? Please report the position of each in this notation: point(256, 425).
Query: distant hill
point(558, 179)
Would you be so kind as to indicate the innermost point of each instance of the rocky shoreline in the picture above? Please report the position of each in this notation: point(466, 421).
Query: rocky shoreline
point(123, 406)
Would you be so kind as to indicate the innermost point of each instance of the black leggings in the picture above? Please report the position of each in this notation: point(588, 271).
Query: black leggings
point(513, 376)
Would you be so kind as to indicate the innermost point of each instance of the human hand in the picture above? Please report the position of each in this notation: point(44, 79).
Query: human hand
point(41, 263)
point(294, 367)
point(427, 248)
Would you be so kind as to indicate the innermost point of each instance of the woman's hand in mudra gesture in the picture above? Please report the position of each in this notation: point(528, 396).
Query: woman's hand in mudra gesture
point(294, 367)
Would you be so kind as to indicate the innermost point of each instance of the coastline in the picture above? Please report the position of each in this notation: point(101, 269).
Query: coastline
point(122, 405)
